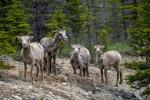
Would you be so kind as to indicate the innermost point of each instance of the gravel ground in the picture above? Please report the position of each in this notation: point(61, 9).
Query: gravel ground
point(64, 86)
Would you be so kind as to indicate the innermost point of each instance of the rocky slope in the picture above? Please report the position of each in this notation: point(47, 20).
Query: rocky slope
point(64, 86)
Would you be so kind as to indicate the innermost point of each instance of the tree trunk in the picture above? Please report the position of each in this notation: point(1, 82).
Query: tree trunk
point(124, 22)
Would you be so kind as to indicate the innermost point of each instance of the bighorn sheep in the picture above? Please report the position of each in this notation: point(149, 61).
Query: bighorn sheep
point(32, 53)
point(80, 59)
point(50, 49)
point(107, 60)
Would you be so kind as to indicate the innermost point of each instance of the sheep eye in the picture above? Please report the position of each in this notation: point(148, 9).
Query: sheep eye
point(79, 49)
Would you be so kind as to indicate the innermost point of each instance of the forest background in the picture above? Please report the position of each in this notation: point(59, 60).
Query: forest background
point(122, 25)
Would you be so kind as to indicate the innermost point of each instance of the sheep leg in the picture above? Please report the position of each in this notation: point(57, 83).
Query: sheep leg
point(45, 64)
point(41, 69)
point(37, 72)
point(117, 78)
point(118, 73)
point(74, 70)
point(105, 72)
point(25, 70)
point(87, 70)
point(84, 70)
point(102, 75)
point(48, 65)
point(81, 70)
point(54, 64)
point(31, 71)
point(120, 76)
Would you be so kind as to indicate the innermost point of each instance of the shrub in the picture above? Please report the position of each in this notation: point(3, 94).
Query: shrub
point(3, 65)
point(119, 46)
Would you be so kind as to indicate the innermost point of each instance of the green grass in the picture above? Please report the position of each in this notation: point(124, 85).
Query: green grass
point(120, 47)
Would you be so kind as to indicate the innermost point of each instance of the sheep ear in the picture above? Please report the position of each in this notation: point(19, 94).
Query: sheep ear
point(31, 37)
point(95, 46)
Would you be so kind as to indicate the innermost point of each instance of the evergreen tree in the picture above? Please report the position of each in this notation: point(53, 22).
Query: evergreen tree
point(58, 20)
point(12, 23)
point(104, 38)
point(86, 18)
point(140, 41)
point(73, 10)
point(39, 18)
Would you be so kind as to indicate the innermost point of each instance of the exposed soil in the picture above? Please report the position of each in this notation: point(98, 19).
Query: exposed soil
point(64, 86)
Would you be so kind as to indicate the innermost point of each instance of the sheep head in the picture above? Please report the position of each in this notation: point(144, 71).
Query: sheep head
point(25, 40)
point(62, 34)
point(76, 49)
point(99, 48)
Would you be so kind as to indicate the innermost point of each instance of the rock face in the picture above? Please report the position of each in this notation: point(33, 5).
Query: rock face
point(64, 86)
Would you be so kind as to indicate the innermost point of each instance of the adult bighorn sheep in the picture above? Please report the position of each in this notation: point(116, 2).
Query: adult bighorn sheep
point(50, 49)
point(107, 60)
point(80, 59)
point(32, 53)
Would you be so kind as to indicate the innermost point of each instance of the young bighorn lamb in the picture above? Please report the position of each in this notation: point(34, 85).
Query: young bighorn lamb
point(80, 59)
point(107, 60)
point(32, 53)
point(50, 49)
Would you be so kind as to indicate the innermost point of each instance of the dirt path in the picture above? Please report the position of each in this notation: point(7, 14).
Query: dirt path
point(64, 86)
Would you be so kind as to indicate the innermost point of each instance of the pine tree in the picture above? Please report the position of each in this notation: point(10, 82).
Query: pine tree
point(73, 10)
point(104, 38)
point(87, 18)
point(12, 23)
point(140, 41)
point(58, 20)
